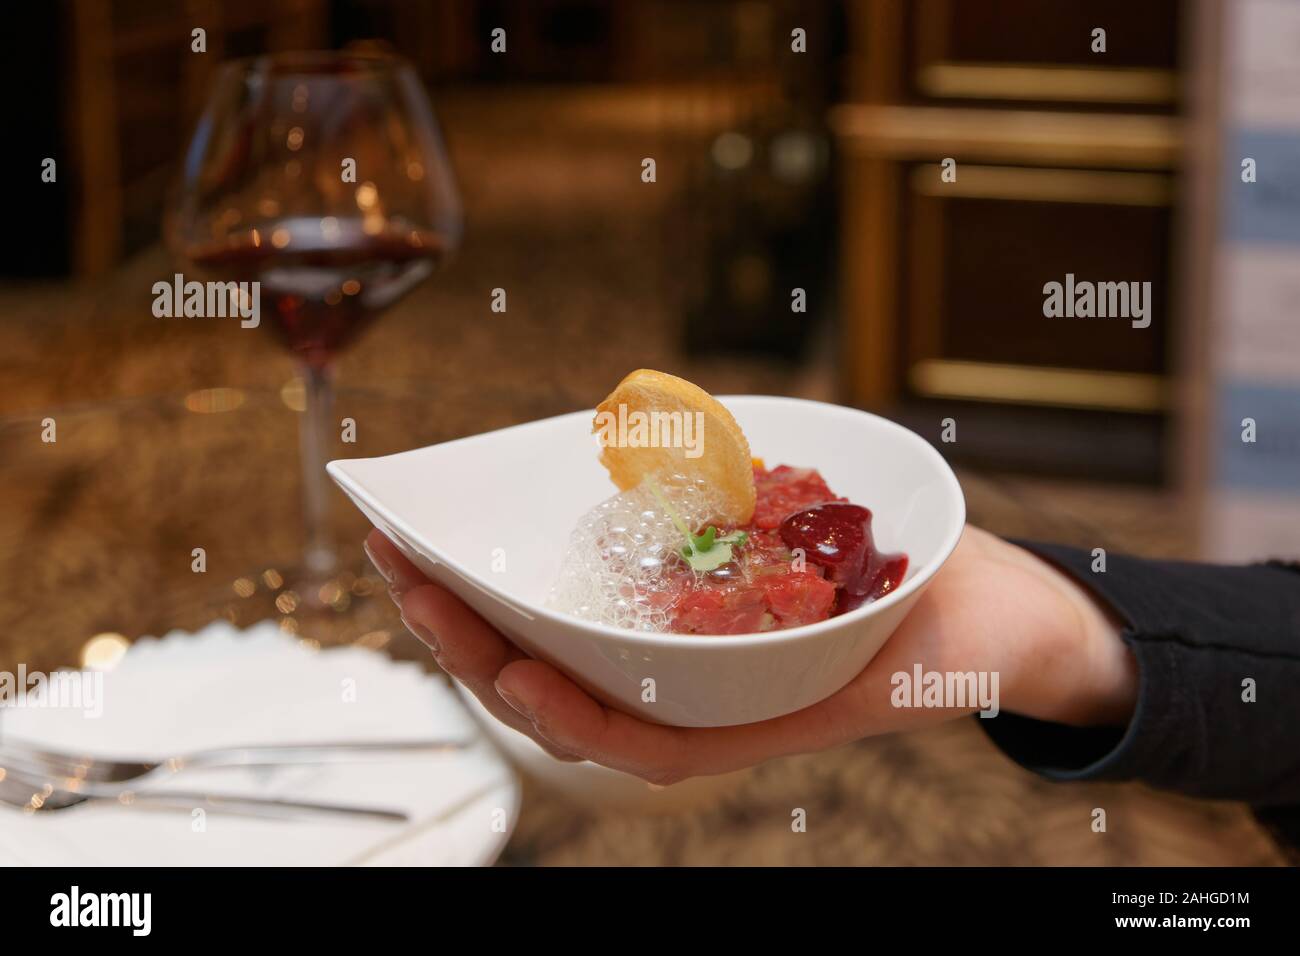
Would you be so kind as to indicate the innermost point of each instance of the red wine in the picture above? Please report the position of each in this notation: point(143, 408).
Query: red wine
point(323, 280)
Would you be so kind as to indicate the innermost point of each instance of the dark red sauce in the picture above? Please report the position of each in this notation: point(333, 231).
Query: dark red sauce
point(810, 556)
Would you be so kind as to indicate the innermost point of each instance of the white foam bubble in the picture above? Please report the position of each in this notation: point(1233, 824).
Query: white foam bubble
point(624, 553)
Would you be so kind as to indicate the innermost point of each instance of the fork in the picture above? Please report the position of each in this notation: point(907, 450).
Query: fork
point(107, 773)
point(29, 794)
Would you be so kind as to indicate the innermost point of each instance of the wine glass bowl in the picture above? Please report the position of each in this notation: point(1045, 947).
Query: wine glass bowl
point(323, 177)
point(322, 181)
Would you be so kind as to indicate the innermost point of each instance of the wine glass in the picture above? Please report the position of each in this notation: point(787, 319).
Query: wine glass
point(322, 177)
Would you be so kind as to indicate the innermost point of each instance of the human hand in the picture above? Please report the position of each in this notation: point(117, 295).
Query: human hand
point(992, 607)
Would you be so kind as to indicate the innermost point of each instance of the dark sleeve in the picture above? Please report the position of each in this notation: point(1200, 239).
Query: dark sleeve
point(1199, 632)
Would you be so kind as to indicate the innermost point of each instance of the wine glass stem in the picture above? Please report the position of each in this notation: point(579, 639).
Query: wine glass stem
point(314, 434)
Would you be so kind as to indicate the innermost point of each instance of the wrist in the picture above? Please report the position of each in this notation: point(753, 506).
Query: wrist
point(1102, 674)
point(1108, 686)
point(1084, 674)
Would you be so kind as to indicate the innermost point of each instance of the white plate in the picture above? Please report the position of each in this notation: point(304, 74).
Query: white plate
point(489, 518)
point(224, 687)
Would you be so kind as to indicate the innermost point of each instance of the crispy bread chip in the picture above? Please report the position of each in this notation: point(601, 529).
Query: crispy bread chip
point(724, 462)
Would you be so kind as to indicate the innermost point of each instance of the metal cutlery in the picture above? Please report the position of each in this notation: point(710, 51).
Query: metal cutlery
point(34, 795)
point(107, 773)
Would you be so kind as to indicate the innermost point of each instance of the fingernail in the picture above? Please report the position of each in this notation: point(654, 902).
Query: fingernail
point(564, 755)
point(426, 636)
point(383, 567)
point(513, 701)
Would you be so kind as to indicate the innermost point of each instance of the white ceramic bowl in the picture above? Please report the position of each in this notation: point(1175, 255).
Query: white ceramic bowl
point(489, 517)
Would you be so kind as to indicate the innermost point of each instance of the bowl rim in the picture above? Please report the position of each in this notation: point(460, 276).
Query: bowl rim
point(910, 586)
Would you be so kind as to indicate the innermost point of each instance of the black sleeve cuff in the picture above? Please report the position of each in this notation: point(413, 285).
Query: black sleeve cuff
point(1197, 631)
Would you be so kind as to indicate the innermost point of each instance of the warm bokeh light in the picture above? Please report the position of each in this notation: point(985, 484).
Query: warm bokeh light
point(367, 196)
point(208, 401)
point(103, 651)
point(293, 394)
point(733, 150)
point(375, 640)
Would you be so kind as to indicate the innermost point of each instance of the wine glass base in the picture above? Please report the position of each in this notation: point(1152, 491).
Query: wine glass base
point(348, 605)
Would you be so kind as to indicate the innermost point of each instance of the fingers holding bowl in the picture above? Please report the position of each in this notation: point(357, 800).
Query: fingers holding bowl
point(471, 651)
point(564, 714)
point(539, 701)
point(393, 566)
point(463, 644)
point(568, 717)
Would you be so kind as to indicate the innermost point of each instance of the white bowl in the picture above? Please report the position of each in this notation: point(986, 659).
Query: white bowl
point(489, 518)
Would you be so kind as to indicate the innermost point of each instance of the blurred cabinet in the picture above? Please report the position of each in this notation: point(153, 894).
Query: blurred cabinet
point(1029, 52)
point(977, 253)
point(1066, 163)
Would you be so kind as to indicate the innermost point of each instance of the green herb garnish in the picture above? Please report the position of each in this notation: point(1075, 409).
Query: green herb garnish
point(708, 550)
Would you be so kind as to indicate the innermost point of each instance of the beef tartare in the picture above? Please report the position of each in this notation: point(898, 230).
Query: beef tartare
point(807, 555)
point(702, 538)
point(650, 559)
